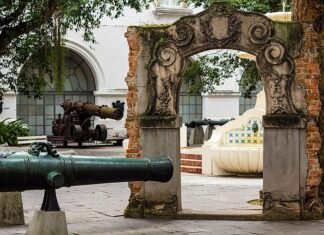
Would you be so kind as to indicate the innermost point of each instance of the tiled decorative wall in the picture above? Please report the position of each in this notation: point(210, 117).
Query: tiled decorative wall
point(245, 135)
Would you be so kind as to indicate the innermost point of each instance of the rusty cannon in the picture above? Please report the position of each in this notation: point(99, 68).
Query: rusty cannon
point(43, 168)
point(75, 125)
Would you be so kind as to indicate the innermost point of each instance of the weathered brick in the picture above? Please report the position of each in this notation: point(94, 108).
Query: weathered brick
point(308, 74)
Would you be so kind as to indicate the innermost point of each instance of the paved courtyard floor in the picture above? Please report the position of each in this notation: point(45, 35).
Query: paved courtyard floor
point(98, 209)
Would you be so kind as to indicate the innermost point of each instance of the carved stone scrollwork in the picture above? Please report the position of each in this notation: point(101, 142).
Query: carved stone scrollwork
point(166, 55)
point(234, 24)
point(275, 53)
point(184, 35)
point(277, 71)
point(206, 28)
point(277, 89)
point(163, 99)
point(259, 32)
point(164, 72)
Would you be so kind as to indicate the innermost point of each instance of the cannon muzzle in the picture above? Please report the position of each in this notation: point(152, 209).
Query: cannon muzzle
point(103, 111)
point(43, 170)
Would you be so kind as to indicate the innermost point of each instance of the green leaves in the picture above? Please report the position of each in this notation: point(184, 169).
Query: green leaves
point(10, 130)
point(261, 6)
point(35, 29)
point(209, 71)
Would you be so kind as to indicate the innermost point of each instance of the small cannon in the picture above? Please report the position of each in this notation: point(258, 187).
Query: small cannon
point(75, 124)
point(195, 123)
point(49, 170)
point(197, 135)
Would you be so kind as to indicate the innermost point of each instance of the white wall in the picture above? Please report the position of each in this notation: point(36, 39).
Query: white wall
point(9, 106)
point(224, 102)
point(220, 105)
point(111, 49)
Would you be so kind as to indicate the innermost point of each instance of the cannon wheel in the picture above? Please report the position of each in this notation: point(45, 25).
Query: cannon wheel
point(101, 132)
point(76, 133)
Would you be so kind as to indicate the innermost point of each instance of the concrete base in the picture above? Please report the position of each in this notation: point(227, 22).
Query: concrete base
point(11, 208)
point(48, 222)
point(161, 136)
point(196, 136)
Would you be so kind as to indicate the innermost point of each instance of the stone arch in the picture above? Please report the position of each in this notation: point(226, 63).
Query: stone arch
point(157, 59)
point(223, 27)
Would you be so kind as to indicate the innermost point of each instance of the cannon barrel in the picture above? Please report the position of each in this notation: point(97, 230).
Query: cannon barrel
point(103, 111)
point(218, 122)
point(42, 170)
point(194, 123)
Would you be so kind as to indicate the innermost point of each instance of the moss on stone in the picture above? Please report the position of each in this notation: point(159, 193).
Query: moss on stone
point(281, 211)
point(161, 210)
point(290, 33)
point(165, 118)
point(159, 121)
point(135, 209)
point(138, 208)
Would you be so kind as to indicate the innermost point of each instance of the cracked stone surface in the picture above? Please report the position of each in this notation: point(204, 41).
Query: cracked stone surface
point(98, 209)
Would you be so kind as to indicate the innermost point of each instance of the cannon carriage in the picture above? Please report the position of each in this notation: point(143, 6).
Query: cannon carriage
point(75, 125)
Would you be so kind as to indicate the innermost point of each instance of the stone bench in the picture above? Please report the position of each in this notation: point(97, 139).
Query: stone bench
point(25, 140)
point(237, 146)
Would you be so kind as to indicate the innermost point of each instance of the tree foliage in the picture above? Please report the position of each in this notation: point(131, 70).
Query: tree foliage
point(215, 68)
point(261, 6)
point(10, 130)
point(36, 28)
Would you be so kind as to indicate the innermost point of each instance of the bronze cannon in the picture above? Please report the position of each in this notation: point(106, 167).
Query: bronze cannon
point(75, 125)
point(49, 170)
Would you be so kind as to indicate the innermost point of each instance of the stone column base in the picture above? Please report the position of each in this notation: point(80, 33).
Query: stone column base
point(138, 208)
point(313, 209)
point(11, 208)
point(281, 211)
point(134, 209)
point(48, 222)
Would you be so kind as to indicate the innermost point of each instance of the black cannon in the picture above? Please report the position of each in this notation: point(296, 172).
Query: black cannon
point(195, 123)
point(197, 135)
point(49, 170)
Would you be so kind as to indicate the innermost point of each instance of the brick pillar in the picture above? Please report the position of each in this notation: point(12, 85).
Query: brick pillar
point(319, 28)
point(308, 74)
point(134, 148)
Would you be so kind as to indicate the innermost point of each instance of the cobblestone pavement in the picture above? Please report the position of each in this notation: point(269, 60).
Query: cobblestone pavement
point(98, 209)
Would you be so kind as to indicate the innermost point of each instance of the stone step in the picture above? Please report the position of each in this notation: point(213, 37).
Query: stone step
point(190, 162)
point(191, 169)
point(191, 156)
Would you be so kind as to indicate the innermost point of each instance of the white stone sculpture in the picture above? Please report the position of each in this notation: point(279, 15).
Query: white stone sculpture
point(237, 146)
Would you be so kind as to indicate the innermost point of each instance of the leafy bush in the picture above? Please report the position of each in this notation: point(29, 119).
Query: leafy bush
point(10, 130)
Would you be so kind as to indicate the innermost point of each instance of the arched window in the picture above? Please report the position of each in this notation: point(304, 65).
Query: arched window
point(190, 106)
point(79, 85)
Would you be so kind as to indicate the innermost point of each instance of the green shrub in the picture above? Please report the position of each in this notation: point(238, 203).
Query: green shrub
point(10, 130)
